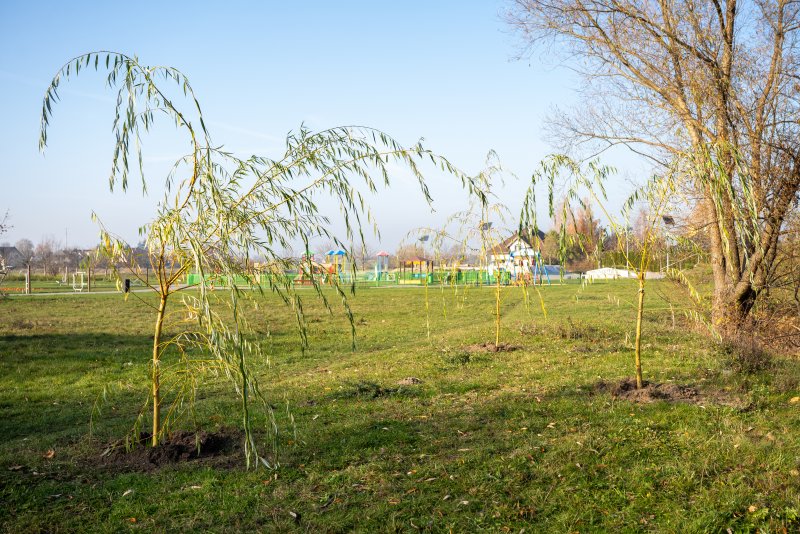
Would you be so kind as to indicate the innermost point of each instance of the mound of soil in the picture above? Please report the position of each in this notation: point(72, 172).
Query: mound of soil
point(650, 392)
point(491, 347)
point(222, 448)
point(409, 381)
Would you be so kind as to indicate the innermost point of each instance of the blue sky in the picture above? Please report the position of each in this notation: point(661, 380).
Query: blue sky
point(443, 71)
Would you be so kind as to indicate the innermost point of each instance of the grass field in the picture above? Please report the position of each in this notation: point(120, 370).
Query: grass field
point(528, 439)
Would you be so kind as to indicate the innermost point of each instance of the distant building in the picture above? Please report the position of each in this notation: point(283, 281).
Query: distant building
point(610, 273)
point(10, 258)
point(516, 254)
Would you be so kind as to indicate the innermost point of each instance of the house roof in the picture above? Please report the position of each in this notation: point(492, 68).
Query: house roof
point(415, 259)
point(505, 246)
point(10, 256)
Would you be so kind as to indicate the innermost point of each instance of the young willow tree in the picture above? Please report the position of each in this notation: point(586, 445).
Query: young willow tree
point(475, 231)
point(713, 84)
point(218, 212)
point(585, 187)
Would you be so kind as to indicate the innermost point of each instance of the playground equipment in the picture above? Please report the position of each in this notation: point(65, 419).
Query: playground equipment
point(411, 271)
point(310, 270)
point(382, 265)
point(79, 281)
point(337, 259)
point(526, 264)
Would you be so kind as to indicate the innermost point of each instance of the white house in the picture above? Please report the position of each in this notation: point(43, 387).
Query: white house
point(515, 255)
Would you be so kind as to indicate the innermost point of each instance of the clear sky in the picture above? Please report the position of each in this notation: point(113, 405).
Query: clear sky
point(442, 70)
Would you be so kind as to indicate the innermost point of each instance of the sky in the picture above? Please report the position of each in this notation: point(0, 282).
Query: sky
point(444, 71)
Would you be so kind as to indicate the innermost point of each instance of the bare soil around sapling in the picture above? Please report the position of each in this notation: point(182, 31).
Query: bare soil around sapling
point(649, 392)
point(222, 449)
point(625, 389)
point(478, 348)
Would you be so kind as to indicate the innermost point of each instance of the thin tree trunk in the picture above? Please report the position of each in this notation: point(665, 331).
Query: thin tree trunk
point(157, 371)
point(497, 312)
point(639, 314)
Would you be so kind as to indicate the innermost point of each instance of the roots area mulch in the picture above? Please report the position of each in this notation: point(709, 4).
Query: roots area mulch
point(222, 448)
point(649, 392)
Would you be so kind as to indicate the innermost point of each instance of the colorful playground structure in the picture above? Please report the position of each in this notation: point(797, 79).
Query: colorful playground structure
point(517, 269)
point(517, 260)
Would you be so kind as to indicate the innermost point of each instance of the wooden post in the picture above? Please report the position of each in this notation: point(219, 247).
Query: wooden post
point(28, 280)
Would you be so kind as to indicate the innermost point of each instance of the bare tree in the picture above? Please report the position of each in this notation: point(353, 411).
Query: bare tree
point(585, 233)
point(408, 251)
point(4, 224)
point(365, 255)
point(710, 86)
point(45, 252)
point(25, 248)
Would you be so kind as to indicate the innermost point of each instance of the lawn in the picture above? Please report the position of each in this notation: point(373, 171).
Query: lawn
point(528, 439)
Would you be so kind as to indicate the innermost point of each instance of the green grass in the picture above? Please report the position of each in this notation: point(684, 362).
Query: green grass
point(15, 285)
point(495, 441)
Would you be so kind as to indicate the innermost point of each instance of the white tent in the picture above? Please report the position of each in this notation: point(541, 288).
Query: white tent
point(609, 273)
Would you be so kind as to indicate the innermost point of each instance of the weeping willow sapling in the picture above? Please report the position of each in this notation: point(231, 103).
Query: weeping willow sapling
point(658, 193)
point(218, 213)
point(476, 230)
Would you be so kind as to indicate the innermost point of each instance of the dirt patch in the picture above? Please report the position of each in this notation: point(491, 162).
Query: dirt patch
point(222, 448)
point(491, 347)
point(650, 392)
point(409, 381)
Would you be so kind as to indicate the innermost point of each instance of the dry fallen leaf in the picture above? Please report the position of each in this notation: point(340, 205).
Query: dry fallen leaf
point(794, 400)
point(127, 492)
point(752, 508)
point(49, 454)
